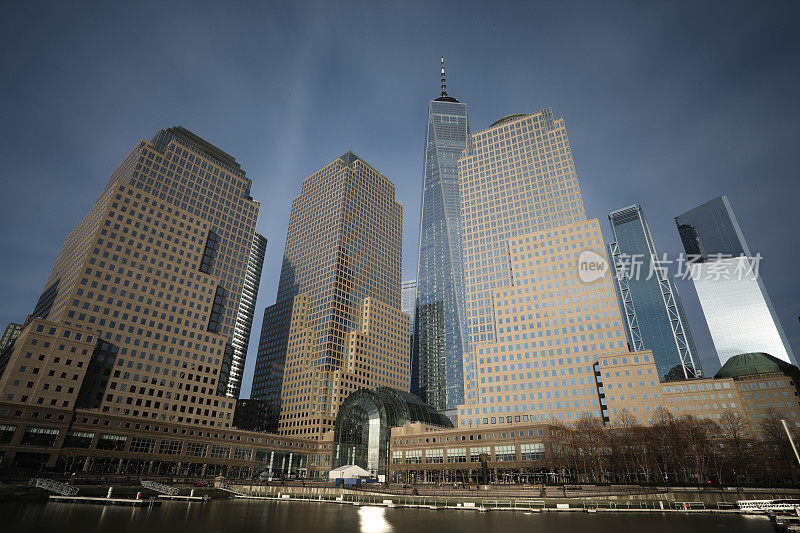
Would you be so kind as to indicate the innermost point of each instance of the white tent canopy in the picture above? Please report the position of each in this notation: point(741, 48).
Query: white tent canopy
point(348, 472)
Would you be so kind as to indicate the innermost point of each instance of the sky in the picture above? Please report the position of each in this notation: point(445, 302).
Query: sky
point(667, 104)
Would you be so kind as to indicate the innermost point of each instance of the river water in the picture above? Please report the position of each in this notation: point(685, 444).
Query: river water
point(241, 516)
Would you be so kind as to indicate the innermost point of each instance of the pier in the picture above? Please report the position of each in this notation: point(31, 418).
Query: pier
point(131, 502)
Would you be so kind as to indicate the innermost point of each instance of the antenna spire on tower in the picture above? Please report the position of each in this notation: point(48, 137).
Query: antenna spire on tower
point(444, 87)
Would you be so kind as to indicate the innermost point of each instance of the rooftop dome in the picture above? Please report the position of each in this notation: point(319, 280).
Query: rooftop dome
point(747, 364)
point(508, 118)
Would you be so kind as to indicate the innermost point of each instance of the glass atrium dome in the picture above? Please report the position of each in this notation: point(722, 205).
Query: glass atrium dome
point(363, 425)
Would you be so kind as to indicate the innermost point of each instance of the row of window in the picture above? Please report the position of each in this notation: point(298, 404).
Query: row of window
point(527, 452)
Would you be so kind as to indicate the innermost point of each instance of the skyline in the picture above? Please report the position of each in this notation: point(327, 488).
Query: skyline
point(747, 128)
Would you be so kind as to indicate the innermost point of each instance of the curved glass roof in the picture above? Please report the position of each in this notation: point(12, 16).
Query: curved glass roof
point(364, 422)
point(399, 407)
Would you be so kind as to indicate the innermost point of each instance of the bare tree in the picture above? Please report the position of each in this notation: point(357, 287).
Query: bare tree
point(776, 447)
point(737, 447)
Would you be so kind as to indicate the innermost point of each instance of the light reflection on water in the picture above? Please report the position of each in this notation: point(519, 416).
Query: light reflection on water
point(253, 516)
point(373, 520)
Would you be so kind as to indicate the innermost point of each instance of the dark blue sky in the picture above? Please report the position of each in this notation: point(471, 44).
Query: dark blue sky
point(667, 104)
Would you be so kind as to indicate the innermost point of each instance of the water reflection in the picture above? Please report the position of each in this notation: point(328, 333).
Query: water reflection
point(249, 516)
point(373, 520)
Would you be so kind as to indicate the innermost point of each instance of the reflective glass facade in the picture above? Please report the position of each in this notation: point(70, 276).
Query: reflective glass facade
point(408, 303)
point(364, 423)
point(247, 308)
point(711, 229)
point(650, 301)
point(437, 347)
point(737, 309)
point(735, 303)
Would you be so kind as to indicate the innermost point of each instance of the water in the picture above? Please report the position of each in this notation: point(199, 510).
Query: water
point(234, 516)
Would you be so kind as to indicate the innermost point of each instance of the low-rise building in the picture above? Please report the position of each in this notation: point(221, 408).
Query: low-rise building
point(751, 386)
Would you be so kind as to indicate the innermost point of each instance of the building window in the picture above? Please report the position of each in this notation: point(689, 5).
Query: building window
point(217, 309)
point(414, 456)
point(505, 453)
point(170, 447)
point(196, 449)
point(532, 452)
point(475, 453)
point(40, 436)
point(142, 445)
point(457, 455)
point(434, 456)
point(78, 439)
point(220, 451)
point(6, 432)
point(111, 442)
point(209, 252)
point(242, 453)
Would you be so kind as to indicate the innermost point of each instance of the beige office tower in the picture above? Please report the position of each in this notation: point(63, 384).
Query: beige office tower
point(540, 303)
point(153, 276)
point(337, 325)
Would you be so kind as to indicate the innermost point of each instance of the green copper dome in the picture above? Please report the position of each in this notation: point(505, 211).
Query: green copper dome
point(747, 364)
point(508, 118)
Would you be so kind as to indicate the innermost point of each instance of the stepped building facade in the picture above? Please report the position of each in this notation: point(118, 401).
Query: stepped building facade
point(337, 325)
point(136, 328)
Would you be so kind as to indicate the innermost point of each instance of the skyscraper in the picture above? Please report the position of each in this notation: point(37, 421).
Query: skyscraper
point(437, 360)
point(725, 274)
point(408, 302)
point(247, 308)
point(652, 308)
point(536, 323)
point(156, 270)
point(337, 325)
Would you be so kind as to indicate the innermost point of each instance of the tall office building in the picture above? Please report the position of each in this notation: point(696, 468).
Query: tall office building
point(536, 322)
point(154, 272)
point(735, 302)
point(337, 325)
point(650, 303)
point(10, 334)
point(437, 375)
point(7, 341)
point(408, 302)
point(244, 318)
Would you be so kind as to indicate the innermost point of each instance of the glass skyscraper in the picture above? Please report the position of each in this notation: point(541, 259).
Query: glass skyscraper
point(408, 302)
point(437, 346)
point(247, 308)
point(735, 303)
point(649, 299)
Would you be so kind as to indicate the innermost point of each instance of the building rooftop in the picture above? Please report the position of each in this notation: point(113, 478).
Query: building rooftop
point(348, 158)
point(748, 364)
point(204, 146)
point(508, 118)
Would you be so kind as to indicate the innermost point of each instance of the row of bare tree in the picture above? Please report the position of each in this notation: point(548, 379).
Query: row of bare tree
point(684, 450)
